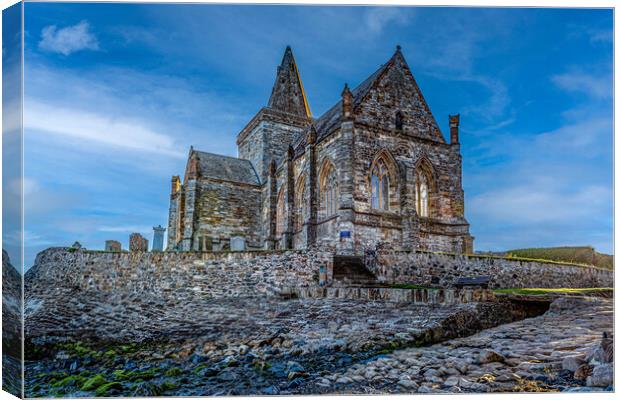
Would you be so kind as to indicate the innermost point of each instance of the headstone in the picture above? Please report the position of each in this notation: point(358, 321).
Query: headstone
point(237, 243)
point(138, 243)
point(158, 238)
point(112, 245)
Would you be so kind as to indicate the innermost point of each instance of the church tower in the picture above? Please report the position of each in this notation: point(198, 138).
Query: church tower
point(273, 129)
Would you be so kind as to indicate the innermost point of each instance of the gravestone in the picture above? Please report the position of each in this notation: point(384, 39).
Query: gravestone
point(137, 242)
point(237, 243)
point(112, 245)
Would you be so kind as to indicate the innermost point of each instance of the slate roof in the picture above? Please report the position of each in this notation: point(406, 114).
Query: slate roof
point(333, 117)
point(226, 168)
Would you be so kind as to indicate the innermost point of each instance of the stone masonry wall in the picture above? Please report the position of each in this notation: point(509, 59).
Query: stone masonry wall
point(442, 270)
point(211, 275)
point(226, 209)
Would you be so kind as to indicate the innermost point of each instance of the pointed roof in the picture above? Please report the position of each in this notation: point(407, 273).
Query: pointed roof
point(288, 93)
point(225, 168)
point(332, 117)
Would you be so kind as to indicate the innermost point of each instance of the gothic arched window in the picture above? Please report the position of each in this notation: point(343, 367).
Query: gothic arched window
point(329, 191)
point(280, 213)
point(300, 204)
point(380, 187)
point(421, 189)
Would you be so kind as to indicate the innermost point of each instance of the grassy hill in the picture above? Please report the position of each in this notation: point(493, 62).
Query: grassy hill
point(572, 254)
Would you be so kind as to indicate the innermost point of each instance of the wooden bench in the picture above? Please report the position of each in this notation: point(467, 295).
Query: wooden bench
point(478, 281)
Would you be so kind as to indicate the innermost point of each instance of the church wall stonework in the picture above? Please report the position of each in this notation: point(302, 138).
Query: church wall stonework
point(224, 210)
point(384, 120)
point(268, 141)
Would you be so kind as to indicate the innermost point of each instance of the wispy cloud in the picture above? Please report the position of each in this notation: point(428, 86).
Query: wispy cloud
point(98, 129)
point(69, 39)
point(597, 86)
point(601, 35)
point(539, 202)
point(583, 136)
point(378, 18)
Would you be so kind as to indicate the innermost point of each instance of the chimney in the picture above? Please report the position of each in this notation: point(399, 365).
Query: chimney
point(347, 103)
point(454, 128)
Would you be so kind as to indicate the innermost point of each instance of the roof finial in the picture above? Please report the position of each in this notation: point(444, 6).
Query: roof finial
point(398, 47)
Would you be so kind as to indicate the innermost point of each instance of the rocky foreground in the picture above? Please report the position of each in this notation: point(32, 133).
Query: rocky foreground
point(563, 350)
point(271, 346)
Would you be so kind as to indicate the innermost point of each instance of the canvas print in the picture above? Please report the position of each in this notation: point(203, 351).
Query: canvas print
point(285, 200)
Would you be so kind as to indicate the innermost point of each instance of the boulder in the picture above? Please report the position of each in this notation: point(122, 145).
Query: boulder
point(602, 376)
point(601, 353)
point(489, 356)
point(408, 384)
point(571, 363)
point(583, 371)
point(452, 381)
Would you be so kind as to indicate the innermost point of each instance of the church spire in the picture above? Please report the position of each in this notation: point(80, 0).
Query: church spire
point(288, 92)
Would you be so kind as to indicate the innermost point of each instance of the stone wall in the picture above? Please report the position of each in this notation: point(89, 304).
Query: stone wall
point(215, 274)
point(226, 209)
point(260, 273)
point(442, 270)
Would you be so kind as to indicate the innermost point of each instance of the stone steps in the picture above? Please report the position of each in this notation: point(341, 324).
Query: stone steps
point(351, 271)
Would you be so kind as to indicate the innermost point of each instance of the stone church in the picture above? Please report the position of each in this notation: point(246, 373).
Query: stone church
point(374, 169)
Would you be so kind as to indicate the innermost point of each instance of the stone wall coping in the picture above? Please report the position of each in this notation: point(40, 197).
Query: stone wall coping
point(271, 251)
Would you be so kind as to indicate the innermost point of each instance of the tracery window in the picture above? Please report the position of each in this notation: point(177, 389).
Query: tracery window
point(380, 187)
point(280, 213)
point(300, 204)
point(424, 185)
point(421, 188)
point(329, 191)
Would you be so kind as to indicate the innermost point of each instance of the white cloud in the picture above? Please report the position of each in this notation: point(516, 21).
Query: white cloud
point(68, 40)
point(98, 129)
point(378, 18)
point(598, 86)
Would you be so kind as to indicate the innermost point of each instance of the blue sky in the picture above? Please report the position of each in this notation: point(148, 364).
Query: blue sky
point(115, 95)
point(11, 134)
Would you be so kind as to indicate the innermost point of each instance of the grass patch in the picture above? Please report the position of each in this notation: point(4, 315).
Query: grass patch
point(410, 286)
point(552, 291)
point(571, 254)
